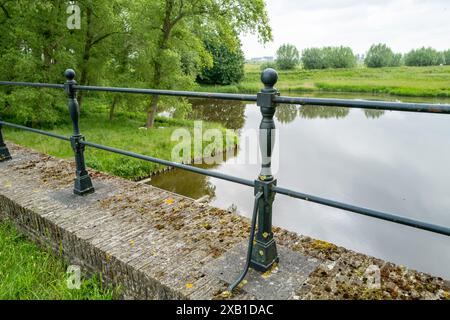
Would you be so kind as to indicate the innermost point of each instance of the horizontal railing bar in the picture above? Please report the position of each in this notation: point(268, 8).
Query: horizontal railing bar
point(217, 175)
point(187, 94)
point(32, 84)
point(348, 103)
point(364, 211)
point(367, 104)
point(45, 133)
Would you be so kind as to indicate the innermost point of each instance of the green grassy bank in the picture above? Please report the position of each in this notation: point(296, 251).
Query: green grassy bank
point(28, 272)
point(124, 132)
point(400, 81)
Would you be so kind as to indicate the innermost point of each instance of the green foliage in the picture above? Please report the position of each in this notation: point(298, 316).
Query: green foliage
point(30, 273)
point(37, 46)
point(313, 58)
point(424, 57)
point(328, 57)
point(287, 57)
point(228, 64)
point(266, 65)
point(380, 55)
point(446, 55)
point(156, 44)
point(171, 48)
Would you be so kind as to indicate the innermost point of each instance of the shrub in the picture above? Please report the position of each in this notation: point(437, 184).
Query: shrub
point(446, 55)
point(228, 66)
point(328, 57)
point(287, 57)
point(424, 57)
point(312, 58)
point(380, 55)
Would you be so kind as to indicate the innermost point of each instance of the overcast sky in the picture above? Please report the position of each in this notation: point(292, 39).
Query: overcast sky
point(402, 24)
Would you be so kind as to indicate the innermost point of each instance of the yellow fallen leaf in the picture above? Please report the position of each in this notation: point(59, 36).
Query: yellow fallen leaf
point(169, 201)
point(189, 285)
point(132, 242)
point(243, 283)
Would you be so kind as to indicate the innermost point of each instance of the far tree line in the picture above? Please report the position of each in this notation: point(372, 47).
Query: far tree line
point(378, 56)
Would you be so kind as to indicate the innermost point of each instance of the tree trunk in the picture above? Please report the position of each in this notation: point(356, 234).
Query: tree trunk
point(86, 54)
point(166, 30)
point(112, 108)
point(151, 112)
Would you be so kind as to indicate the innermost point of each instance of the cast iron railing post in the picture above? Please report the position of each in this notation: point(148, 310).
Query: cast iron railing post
point(265, 253)
point(83, 183)
point(4, 152)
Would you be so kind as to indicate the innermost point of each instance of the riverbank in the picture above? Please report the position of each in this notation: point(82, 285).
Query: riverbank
point(124, 132)
point(398, 81)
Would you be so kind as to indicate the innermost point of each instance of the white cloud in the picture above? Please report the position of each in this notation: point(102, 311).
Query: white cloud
point(402, 24)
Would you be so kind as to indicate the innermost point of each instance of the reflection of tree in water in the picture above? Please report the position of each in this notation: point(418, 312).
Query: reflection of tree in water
point(286, 113)
point(373, 114)
point(187, 183)
point(313, 112)
point(228, 113)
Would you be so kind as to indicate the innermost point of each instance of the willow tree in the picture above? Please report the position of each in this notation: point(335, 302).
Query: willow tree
point(172, 51)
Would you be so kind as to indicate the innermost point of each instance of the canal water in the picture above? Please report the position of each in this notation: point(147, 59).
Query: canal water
point(390, 161)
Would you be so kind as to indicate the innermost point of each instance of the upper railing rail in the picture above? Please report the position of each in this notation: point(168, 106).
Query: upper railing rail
point(326, 102)
point(262, 253)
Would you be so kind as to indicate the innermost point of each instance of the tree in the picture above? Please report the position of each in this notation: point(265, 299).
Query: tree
point(339, 57)
point(172, 29)
point(228, 64)
point(102, 20)
point(37, 46)
point(312, 58)
point(328, 57)
point(446, 55)
point(380, 55)
point(287, 57)
point(424, 57)
point(32, 49)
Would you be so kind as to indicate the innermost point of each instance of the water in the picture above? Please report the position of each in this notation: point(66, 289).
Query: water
point(390, 161)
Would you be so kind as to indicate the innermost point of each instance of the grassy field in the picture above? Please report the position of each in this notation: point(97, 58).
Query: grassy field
point(30, 273)
point(400, 81)
point(123, 133)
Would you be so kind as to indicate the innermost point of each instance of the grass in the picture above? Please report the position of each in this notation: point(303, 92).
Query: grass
point(122, 133)
point(30, 273)
point(400, 81)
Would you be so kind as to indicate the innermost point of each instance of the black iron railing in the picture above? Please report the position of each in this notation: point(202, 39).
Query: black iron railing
point(262, 251)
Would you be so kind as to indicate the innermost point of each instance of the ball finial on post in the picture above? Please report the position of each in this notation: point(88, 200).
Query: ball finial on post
point(69, 74)
point(269, 78)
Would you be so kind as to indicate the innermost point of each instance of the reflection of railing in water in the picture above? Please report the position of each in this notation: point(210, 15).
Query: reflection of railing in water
point(262, 253)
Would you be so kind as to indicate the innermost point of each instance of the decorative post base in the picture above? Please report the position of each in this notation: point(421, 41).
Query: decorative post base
point(4, 154)
point(264, 255)
point(83, 185)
